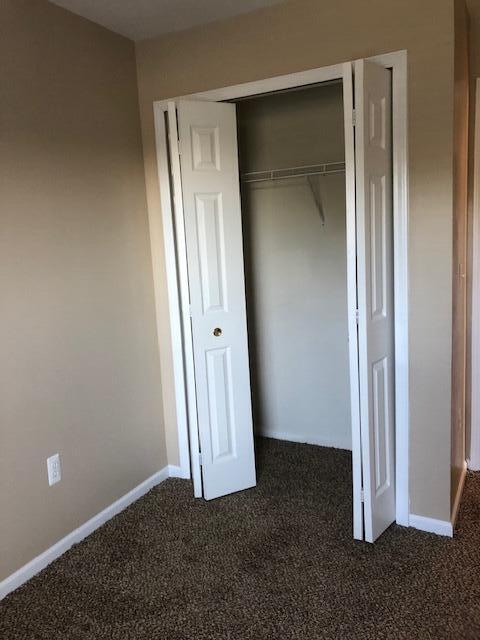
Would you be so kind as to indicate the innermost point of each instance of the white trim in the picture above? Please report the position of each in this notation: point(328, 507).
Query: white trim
point(431, 525)
point(184, 294)
point(156, 226)
point(474, 453)
point(36, 565)
point(351, 212)
point(303, 439)
point(277, 83)
point(397, 61)
point(175, 471)
point(442, 527)
point(458, 497)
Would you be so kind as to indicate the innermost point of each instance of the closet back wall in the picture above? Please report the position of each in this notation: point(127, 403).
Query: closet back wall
point(296, 268)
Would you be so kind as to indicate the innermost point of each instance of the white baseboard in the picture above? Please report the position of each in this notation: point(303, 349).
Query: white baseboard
point(431, 525)
point(302, 439)
point(473, 465)
point(175, 471)
point(458, 497)
point(33, 567)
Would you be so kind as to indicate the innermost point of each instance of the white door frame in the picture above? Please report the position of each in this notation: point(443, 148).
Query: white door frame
point(176, 271)
point(474, 453)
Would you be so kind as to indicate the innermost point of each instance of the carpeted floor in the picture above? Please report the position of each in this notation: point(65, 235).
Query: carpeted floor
point(276, 562)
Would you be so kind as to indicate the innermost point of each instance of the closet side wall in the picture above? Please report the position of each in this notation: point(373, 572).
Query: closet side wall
point(296, 268)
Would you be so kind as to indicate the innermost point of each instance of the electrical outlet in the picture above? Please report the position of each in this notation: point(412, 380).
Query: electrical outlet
point(54, 469)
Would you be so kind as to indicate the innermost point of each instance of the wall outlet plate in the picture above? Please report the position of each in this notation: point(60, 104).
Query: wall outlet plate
point(54, 469)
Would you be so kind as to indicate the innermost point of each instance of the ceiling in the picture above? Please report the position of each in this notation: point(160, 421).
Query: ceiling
point(140, 19)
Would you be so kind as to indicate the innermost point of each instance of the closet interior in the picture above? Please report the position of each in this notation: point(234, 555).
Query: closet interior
point(292, 175)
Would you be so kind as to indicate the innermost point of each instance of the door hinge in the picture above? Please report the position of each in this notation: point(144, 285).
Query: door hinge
point(362, 495)
point(200, 459)
point(357, 315)
point(354, 117)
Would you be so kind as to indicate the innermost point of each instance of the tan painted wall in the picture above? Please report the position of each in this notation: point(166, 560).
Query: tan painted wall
point(303, 34)
point(79, 370)
point(460, 177)
point(474, 73)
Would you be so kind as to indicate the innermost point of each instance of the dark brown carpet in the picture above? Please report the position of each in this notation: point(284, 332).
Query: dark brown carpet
point(276, 562)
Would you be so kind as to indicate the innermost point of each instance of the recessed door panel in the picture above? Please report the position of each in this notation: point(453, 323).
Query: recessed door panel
point(381, 421)
point(220, 402)
point(377, 123)
point(211, 250)
point(205, 148)
point(378, 247)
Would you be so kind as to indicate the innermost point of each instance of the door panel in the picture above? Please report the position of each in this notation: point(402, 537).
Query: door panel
point(211, 251)
point(211, 201)
point(187, 340)
point(373, 149)
point(352, 301)
point(222, 420)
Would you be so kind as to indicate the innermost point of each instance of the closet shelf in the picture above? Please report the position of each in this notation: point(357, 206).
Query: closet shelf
point(322, 169)
point(306, 171)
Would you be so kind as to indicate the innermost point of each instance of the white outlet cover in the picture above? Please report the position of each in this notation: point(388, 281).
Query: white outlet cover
point(54, 469)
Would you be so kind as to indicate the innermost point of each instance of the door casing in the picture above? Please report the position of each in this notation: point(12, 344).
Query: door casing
point(168, 224)
point(474, 453)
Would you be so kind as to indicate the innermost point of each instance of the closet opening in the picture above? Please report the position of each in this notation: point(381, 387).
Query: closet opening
point(293, 201)
point(284, 219)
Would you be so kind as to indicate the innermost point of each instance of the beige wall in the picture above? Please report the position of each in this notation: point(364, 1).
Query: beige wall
point(79, 370)
point(303, 34)
point(460, 176)
point(474, 73)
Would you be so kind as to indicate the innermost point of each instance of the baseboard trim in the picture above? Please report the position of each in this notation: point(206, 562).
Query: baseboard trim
point(174, 471)
point(473, 465)
point(458, 497)
point(431, 525)
point(33, 567)
point(282, 435)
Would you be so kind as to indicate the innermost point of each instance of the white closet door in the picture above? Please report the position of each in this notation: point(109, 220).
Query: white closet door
point(373, 149)
point(351, 228)
point(213, 228)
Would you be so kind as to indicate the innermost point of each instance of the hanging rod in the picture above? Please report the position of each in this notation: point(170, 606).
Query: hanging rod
point(322, 169)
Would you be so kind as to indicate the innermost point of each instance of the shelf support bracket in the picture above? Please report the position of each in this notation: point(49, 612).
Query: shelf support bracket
point(317, 197)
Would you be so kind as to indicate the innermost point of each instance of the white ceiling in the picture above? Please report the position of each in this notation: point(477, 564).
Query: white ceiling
point(140, 19)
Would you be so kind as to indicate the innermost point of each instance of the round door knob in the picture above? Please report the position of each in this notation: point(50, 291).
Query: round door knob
point(217, 332)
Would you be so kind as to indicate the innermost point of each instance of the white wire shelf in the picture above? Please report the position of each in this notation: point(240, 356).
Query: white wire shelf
point(307, 171)
point(323, 169)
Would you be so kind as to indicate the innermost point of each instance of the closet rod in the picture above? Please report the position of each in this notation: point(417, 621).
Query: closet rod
point(324, 168)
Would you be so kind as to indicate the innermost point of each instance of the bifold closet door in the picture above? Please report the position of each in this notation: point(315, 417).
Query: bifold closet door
point(374, 234)
point(207, 133)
